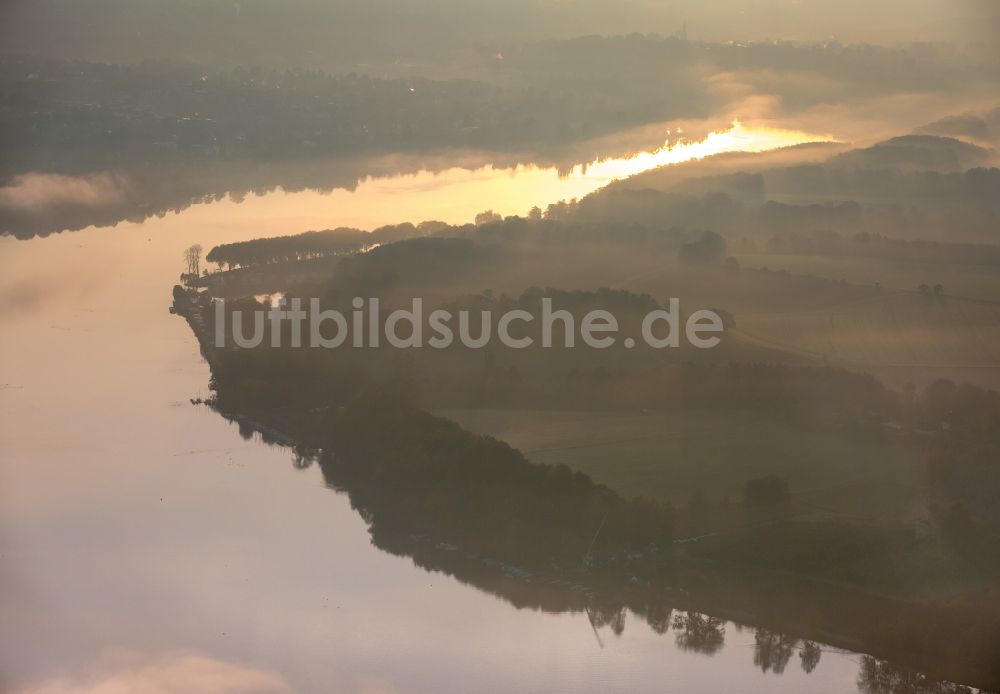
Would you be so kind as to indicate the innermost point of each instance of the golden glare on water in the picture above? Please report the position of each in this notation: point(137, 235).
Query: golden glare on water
point(455, 195)
point(738, 138)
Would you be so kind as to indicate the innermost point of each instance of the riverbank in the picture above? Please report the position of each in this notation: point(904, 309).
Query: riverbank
point(474, 508)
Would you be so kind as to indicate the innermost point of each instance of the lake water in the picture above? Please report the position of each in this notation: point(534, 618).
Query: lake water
point(146, 546)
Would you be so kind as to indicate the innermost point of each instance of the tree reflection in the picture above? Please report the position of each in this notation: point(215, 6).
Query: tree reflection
point(302, 458)
point(605, 615)
point(881, 677)
point(772, 650)
point(456, 525)
point(810, 655)
point(658, 617)
point(699, 633)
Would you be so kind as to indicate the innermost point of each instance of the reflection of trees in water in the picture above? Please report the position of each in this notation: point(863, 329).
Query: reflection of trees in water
point(881, 677)
point(605, 615)
point(618, 622)
point(772, 650)
point(700, 633)
point(303, 459)
point(810, 655)
point(658, 618)
point(694, 631)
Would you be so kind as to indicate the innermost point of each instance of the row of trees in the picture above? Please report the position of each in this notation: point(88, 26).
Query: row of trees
point(311, 244)
point(315, 244)
point(410, 471)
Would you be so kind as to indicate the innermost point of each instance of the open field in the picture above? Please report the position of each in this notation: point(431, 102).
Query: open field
point(672, 455)
point(899, 337)
point(968, 281)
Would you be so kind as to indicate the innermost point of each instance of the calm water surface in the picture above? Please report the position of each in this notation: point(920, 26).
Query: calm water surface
point(145, 545)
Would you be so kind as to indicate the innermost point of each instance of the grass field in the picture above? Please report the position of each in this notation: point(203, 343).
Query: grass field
point(969, 281)
point(860, 313)
point(899, 337)
point(671, 455)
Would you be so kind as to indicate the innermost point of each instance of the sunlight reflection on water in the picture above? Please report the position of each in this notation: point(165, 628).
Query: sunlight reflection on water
point(455, 195)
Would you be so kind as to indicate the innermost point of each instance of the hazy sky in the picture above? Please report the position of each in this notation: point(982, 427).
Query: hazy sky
point(325, 32)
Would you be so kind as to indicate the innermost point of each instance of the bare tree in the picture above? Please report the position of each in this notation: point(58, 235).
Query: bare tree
point(192, 258)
